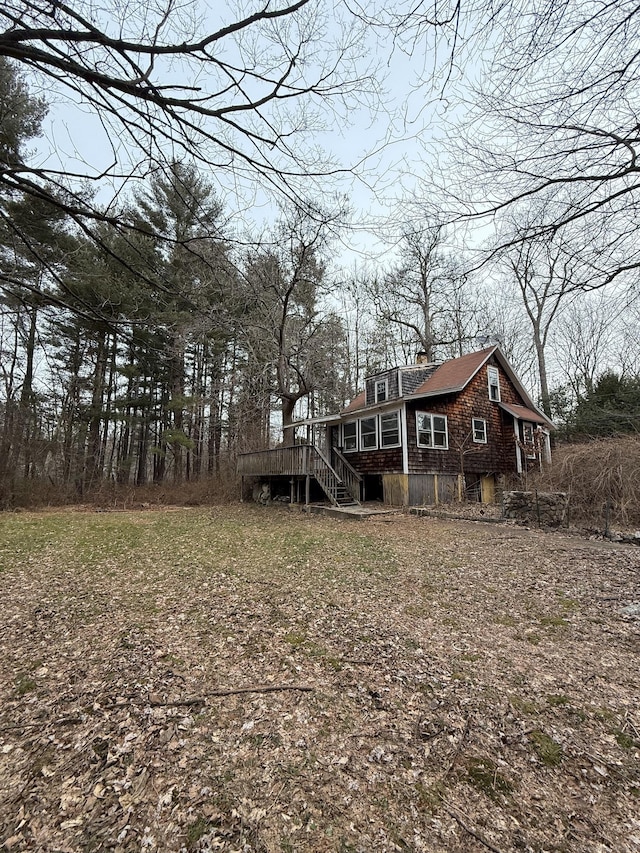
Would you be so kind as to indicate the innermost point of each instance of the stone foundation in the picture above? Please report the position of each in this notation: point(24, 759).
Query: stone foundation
point(546, 508)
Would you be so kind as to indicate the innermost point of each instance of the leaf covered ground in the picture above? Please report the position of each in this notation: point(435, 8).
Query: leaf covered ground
point(255, 679)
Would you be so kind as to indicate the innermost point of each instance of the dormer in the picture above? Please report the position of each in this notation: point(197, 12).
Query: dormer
point(382, 387)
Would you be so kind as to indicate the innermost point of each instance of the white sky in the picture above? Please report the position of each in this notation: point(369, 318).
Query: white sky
point(388, 143)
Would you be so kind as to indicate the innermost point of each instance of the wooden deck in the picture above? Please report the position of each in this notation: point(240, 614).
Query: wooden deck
point(338, 479)
point(283, 461)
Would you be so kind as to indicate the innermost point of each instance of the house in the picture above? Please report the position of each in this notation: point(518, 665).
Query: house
point(420, 434)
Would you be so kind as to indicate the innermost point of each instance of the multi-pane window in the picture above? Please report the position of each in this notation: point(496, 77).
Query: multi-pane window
point(381, 390)
point(432, 431)
point(389, 430)
point(479, 427)
point(369, 433)
point(372, 432)
point(350, 436)
point(494, 383)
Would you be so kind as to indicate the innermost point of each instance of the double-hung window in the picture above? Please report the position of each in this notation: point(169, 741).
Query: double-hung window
point(479, 427)
point(432, 431)
point(389, 430)
point(381, 390)
point(493, 378)
point(369, 433)
point(350, 436)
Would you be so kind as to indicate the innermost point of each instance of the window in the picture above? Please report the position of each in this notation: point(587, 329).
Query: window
point(389, 430)
point(479, 427)
point(494, 384)
point(368, 433)
point(432, 431)
point(381, 390)
point(350, 436)
point(528, 439)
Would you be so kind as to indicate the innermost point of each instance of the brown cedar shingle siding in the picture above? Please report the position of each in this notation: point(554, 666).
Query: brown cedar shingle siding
point(423, 459)
point(498, 455)
point(387, 461)
point(392, 386)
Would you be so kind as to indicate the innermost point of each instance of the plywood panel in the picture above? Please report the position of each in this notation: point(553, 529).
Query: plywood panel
point(396, 489)
point(488, 489)
point(422, 489)
point(447, 488)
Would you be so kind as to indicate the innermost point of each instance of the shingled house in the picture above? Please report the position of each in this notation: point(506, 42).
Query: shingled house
point(420, 434)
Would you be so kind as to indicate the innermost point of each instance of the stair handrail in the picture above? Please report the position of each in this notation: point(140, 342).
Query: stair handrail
point(313, 468)
point(325, 474)
point(348, 474)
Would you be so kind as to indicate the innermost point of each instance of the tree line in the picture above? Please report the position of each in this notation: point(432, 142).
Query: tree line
point(151, 338)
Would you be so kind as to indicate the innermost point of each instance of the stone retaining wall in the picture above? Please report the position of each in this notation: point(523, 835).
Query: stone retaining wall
point(546, 508)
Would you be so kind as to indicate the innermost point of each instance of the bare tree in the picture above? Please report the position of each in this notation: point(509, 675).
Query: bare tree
point(552, 124)
point(584, 341)
point(426, 296)
point(540, 105)
point(242, 97)
point(284, 326)
point(545, 276)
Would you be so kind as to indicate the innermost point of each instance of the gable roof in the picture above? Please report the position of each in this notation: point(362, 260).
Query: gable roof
point(453, 375)
point(357, 403)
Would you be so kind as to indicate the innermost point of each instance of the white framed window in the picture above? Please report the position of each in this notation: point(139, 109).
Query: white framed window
point(390, 429)
point(479, 428)
point(369, 433)
point(431, 431)
point(381, 390)
point(493, 378)
point(350, 437)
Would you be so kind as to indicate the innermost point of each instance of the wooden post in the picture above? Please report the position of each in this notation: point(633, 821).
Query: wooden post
point(435, 490)
point(307, 490)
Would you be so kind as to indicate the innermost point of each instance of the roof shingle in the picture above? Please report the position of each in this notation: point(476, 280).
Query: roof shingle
point(453, 375)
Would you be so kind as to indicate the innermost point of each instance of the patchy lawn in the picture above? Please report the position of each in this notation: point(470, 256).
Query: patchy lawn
point(420, 685)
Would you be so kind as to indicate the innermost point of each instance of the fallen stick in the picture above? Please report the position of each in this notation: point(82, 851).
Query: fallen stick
point(201, 700)
point(470, 831)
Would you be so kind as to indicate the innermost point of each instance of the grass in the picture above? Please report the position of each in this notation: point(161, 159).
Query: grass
point(549, 751)
point(412, 659)
point(195, 831)
point(198, 546)
point(483, 774)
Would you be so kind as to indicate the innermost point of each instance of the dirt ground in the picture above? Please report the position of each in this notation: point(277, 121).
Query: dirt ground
point(254, 679)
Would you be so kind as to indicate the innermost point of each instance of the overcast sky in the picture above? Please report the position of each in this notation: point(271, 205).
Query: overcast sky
point(393, 139)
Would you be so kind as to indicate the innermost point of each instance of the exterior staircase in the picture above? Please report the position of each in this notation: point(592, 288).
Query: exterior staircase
point(338, 479)
point(341, 484)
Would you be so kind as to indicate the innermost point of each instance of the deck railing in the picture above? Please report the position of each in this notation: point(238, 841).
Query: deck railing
point(320, 468)
point(304, 460)
point(289, 461)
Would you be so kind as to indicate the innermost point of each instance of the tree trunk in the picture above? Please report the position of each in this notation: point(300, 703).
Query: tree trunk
point(288, 405)
point(93, 463)
point(542, 371)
